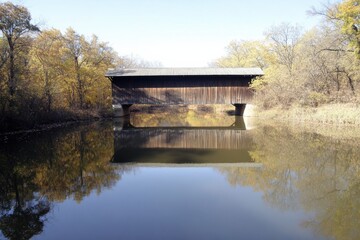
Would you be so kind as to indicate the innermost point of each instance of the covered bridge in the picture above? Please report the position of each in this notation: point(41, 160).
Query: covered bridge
point(181, 86)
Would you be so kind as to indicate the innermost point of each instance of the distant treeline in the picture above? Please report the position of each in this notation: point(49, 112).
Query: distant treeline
point(308, 68)
point(48, 76)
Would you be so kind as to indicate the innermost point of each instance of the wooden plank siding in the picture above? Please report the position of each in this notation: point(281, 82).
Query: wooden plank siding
point(181, 89)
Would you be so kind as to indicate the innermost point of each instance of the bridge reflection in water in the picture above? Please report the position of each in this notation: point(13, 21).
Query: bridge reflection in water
point(183, 146)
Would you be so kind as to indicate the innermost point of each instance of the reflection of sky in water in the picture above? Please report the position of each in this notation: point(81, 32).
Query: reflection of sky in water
point(174, 203)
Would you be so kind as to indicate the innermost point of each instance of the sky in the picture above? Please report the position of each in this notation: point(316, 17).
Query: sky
point(186, 33)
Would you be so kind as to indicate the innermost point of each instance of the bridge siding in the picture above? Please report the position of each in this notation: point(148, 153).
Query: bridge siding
point(181, 90)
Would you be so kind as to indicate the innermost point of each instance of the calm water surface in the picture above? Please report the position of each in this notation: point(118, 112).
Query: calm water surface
point(179, 176)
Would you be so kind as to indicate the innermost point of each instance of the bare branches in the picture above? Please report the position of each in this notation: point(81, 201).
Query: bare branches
point(328, 11)
point(284, 40)
point(334, 50)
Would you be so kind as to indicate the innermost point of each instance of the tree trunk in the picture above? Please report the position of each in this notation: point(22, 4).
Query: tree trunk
point(12, 80)
point(47, 91)
point(79, 83)
point(351, 84)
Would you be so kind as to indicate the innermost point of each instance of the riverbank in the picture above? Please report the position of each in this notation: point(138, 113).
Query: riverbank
point(324, 117)
point(340, 121)
point(14, 124)
point(334, 114)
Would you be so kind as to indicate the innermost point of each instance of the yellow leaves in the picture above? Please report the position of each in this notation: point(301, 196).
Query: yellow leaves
point(243, 54)
point(258, 83)
point(349, 14)
point(68, 69)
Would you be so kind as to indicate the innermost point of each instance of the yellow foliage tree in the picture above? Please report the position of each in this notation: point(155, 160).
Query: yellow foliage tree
point(349, 14)
point(243, 54)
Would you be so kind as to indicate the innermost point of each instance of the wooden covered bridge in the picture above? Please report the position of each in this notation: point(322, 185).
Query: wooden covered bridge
point(186, 86)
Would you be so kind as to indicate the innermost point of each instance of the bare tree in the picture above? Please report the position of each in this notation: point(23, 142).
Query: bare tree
point(284, 40)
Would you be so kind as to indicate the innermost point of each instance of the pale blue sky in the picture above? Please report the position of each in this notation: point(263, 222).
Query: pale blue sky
point(187, 33)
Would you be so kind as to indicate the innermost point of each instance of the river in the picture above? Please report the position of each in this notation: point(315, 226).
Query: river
point(181, 175)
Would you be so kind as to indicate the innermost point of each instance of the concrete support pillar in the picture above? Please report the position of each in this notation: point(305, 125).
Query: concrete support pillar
point(121, 110)
point(239, 109)
point(240, 123)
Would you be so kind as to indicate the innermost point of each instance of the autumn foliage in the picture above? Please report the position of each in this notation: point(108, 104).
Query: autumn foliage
point(305, 68)
point(48, 76)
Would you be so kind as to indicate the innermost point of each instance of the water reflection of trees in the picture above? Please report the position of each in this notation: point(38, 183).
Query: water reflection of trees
point(308, 171)
point(37, 171)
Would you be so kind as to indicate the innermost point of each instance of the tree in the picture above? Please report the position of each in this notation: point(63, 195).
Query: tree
point(349, 15)
point(75, 45)
point(15, 22)
point(135, 62)
point(4, 55)
point(86, 61)
point(243, 54)
point(47, 69)
point(307, 69)
point(342, 32)
point(279, 85)
point(3, 84)
point(344, 16)
point(283, 42)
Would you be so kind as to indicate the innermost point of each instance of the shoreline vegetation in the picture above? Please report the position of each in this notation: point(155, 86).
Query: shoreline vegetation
point(346, 114)
point(53, 120)
point(339, 120)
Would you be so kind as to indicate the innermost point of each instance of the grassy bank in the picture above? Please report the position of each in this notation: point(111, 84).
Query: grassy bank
point(340, 121)
point(334, 114)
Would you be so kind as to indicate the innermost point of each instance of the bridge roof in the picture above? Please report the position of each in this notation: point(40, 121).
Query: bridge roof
point(141, 72)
